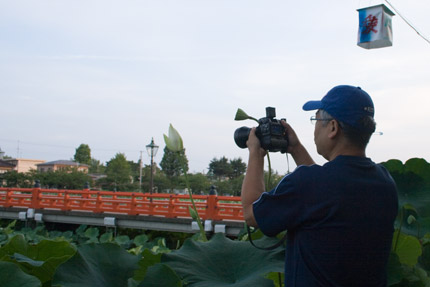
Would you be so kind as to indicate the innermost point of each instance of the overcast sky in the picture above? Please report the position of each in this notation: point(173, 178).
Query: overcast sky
point(114, 74)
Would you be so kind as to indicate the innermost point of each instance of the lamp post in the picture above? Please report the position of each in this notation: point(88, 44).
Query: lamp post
point(152, 151)
point(140, 172)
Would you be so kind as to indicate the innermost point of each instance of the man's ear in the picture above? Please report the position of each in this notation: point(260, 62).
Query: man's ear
point(334, 127)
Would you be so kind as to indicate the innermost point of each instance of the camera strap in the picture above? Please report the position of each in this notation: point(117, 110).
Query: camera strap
point(279, 243)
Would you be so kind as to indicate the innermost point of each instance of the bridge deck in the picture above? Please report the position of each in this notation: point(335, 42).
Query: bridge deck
point(167, 212)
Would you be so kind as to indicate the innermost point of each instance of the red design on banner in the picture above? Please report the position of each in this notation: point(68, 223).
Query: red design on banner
point(370, 23)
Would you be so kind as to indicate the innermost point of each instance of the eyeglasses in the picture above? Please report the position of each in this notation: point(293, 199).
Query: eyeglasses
point(314, 120)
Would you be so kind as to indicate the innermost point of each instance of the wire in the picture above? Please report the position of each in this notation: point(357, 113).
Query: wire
point(60, 146)
point(407, 22)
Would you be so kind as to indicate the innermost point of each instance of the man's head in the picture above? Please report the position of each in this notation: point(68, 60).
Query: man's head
point(353, 110)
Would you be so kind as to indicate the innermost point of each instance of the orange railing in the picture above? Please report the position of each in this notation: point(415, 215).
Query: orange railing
point(132, 203)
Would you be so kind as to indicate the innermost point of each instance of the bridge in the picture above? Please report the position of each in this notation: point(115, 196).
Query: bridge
point(157, 211)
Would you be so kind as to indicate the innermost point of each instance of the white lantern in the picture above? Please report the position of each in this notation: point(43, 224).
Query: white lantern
point(375, 30)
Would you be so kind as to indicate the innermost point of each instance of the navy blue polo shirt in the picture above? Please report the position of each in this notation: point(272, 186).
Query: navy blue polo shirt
point(340, 219)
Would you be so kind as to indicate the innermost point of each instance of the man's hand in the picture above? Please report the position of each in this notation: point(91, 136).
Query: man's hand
point(254, 145)
point(295, 147)
point(253, 183)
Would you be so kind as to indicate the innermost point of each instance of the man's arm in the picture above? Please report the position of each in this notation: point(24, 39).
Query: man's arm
point(253, 183)
point(296, 149)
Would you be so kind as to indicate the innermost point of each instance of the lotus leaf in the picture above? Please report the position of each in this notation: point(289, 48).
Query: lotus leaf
point(12, 276)
point(223, 262)
point(407, 248)
point(161, 275)
point(104, 264)
point(40, 260)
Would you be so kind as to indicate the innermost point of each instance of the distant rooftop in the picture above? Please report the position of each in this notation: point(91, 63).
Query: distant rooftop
point(6, 164)
point(62, 162)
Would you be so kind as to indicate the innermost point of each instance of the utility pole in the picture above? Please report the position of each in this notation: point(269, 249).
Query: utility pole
point(140, 168)
point(152, 149)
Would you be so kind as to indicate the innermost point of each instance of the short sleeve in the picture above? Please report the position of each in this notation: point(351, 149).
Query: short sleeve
point(279, 209)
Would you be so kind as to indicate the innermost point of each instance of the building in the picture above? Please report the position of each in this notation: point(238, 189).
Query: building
point(6, 166)
point(24, 165)
point(61, 165)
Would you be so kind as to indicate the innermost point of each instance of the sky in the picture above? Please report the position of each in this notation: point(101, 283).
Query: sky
point(115, 74)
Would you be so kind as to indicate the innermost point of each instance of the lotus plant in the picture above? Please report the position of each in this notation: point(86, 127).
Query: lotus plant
point(241, 116)
point(175, 144)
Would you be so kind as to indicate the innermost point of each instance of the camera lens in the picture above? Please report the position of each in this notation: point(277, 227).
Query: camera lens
point(241, 136)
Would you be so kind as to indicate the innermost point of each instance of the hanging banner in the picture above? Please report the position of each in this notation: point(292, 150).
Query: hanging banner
point(375, 30)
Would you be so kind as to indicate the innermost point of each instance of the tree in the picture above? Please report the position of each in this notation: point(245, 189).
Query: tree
point(173, 163)
point(238, 168)
point(15, 179)
point(220, 168)
point(83, 154)
point(199, 183)
point(118, 172)
point(96, 167)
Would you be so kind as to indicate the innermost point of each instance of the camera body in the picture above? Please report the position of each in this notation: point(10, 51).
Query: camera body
point(271, 133)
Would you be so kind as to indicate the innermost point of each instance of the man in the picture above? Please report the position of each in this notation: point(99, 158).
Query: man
point(339, 216)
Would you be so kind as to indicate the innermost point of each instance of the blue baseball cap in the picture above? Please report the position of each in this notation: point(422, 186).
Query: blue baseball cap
point(347, 104)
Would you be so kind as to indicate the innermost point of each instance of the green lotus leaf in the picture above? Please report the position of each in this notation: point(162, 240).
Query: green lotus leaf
point(407, 248)
point(424, 260)
point(104, 264)
point(418, 166)
point(40, 260)
point(15, 244)
point(92, 233)
point(140, 240)
point(148, 259)
point(409, 207)
point(223, 262)
point(22, 258)
point(161, 275)
point(123, 240)
point(241, 115)
point(174, 140)
point(12, 276)
point(278, 278)
point(394, 270)
point(394, 165)
point(106, 237)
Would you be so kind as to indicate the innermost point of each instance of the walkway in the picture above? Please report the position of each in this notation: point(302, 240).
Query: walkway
point(158, 211)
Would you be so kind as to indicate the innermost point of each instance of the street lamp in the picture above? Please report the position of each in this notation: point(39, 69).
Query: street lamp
point(152, 151)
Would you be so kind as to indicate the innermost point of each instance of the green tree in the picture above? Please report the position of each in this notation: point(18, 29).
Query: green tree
point(199, 183)
point(69, 178)
point(17, 179)
point(83, 154)
point(135, 170)
point(238, 168)
point(96, 167)
point(118, 172)
point(173, 162)
point(220, 168)
point(161, 181)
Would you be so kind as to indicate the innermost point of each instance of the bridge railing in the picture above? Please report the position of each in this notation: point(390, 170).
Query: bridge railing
point(132, 203)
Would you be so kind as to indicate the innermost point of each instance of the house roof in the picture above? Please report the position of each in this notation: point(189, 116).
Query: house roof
point(6, 164)
point(62, 162)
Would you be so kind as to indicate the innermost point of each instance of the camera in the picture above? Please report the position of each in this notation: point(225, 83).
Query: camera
point(271, 133)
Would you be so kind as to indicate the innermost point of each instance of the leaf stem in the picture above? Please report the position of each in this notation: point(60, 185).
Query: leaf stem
point(199, 222)
point(269, 177)
point(400, 229)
